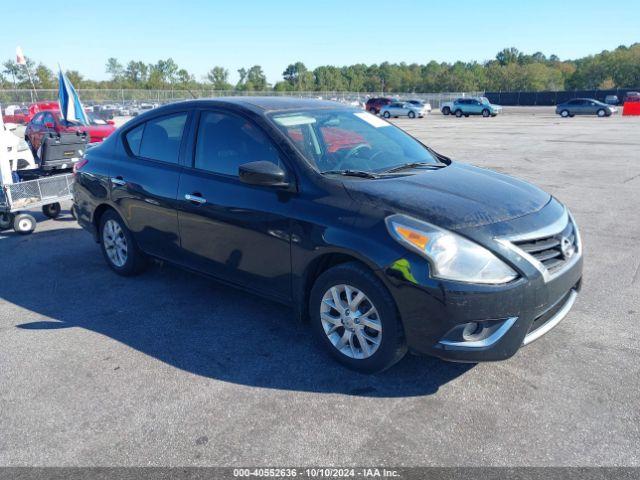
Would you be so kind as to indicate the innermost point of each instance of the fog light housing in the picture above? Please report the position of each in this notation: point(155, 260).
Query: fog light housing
point(478, 334)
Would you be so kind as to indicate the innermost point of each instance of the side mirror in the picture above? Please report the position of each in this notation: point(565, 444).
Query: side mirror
point(49, 124)
point(263, 173)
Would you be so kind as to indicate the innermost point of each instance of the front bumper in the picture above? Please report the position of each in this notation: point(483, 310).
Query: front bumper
point(522, 310)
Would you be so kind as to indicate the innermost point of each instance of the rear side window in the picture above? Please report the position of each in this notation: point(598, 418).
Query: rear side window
point(227, 141)
point(134, 138)
point(158, 139)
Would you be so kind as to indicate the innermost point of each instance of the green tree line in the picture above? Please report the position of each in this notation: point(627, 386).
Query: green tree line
point(510, 70)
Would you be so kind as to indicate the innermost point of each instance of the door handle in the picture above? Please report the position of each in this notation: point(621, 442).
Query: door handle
point(195, 198)
point(118, 181)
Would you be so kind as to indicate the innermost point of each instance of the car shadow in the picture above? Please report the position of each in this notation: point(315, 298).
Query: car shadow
point(194, 323)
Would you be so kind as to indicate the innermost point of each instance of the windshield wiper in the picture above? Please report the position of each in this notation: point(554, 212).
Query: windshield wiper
point(406, 166)
point(352, 173)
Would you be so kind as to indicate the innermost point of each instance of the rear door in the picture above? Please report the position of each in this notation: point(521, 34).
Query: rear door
point(579, 107)
point(229, 229)
point(144, 182)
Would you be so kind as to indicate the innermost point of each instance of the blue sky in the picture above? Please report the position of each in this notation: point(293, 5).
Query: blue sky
point(199, 34)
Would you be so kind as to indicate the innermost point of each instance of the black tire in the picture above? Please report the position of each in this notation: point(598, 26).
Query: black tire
point(51, 210)
point(459, 113)
point(135, 260)
point(373, 111)
point(446, 111)
point(565, 114)
point(411, 114)
point(24, 224)
point(392, 346)
point(466, 115)
point(6, 221)
point(602, 113)
point(486, 113)
point(386, 115)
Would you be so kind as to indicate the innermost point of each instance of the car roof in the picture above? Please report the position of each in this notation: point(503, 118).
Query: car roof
point(277, 103)
point(258, 105)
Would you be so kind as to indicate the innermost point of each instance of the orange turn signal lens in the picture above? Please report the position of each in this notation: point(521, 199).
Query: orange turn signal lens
point(413, 237)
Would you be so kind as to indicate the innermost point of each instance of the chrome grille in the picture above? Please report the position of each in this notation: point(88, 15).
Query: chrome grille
point(552, 251)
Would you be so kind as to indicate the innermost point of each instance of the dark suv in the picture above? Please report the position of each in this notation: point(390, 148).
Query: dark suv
point(374, 105)
point(384, 244)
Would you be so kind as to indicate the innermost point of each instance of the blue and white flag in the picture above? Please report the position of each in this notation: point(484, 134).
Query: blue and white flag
point(70, 105)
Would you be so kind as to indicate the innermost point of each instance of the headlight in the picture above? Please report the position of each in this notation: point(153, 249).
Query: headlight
point(451, 256)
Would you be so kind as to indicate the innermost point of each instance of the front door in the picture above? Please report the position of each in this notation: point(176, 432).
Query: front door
point(237, 232)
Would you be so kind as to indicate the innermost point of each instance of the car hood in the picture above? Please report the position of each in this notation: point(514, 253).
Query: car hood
point(94, 130)
point(454, 197)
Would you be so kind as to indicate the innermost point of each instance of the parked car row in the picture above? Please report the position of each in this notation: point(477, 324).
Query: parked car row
point(388, 107)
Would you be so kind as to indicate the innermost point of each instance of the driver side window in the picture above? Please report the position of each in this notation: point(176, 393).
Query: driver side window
point(226, 141)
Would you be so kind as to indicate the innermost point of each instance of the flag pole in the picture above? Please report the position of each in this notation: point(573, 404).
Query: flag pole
point(22, 60)
point(35, 93)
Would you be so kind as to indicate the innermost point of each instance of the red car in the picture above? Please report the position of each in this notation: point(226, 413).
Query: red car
point(51, 121)
point(16, 114)
point(374, 105)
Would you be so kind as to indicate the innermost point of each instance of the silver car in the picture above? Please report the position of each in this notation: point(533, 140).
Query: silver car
point(403, 109)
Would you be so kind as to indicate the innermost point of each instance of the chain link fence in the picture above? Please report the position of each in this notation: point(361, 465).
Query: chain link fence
point(126, 96)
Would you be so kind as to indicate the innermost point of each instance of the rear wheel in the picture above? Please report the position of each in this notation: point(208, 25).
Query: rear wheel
point(118, 246)
point(6, 220)
point(355, 318)
point(52, 210)
point(24, 224)
point(386, 114)
point(459, 113)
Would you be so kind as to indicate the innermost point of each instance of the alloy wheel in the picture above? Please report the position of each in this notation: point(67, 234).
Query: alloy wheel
point(351, 321)
point(115, 243)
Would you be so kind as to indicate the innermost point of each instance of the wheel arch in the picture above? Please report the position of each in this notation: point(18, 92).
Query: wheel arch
point(98, 212)
point(316, 267)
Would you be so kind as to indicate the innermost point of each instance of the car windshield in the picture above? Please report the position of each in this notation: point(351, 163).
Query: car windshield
point(338, 140)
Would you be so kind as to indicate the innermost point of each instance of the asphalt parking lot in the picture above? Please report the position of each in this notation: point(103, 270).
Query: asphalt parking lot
point(174, 369)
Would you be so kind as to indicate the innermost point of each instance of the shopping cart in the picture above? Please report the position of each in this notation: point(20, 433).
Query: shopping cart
point(45, 192)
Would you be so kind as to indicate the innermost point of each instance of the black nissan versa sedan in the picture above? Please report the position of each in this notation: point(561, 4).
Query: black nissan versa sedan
point(384, 244)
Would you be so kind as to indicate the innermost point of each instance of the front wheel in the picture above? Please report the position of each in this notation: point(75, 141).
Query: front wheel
point(355, 318)
point(564, 113)
point(386, 115)
point(24, 223)
point(412, 114)
point(602, 113)
point(459, 113)
point(118, 246)
point(486, 113)
point(446, 111)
